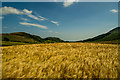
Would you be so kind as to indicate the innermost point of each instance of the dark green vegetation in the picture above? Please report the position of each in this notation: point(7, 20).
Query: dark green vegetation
point(53, 39)
point(18, 38)
point(9, 43)
point(113, 36)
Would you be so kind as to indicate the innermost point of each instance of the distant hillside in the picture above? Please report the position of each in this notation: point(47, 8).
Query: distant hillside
point(22, 38)
point(112, 35)
point(53, 39)
point(19, 38)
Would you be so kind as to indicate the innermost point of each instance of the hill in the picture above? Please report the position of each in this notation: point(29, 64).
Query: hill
point(21, 37)
point(25, 38)
point(112, 36)
point(53, 39)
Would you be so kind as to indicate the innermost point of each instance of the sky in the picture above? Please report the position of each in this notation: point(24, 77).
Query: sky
point(60, 0)
point(69, 21)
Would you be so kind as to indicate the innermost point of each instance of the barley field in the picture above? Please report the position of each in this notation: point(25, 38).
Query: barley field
point(60, 60)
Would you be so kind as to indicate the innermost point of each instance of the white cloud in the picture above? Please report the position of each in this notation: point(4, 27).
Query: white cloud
point(10, 10)
point(42, 18)
point(114, 11)
point(66, 4)
point(24, 19)
point(69, 2)
point(27, 11)
point(30, 24)
point(1, 17)
point(29, 14)
point(55, 22)
point(33, 17)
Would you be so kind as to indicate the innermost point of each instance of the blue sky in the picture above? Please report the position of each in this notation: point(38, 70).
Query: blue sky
point(66, 20)
point(59, 0)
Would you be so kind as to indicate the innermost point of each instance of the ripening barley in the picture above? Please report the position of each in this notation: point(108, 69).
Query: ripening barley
point(60, 60)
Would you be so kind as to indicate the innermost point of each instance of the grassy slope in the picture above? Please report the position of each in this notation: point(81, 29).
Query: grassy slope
point(114, 35)
point(110, 37)
point(25, 38)
point(19, 37)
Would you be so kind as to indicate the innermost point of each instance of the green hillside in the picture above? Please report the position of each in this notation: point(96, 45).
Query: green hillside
point(53, 39)
point(19, 38)
point(25, 38)
point(112, 36)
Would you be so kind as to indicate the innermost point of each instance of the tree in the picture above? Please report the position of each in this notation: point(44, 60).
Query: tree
point(6, 39)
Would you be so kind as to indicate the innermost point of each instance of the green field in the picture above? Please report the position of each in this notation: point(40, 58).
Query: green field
point(8, 43)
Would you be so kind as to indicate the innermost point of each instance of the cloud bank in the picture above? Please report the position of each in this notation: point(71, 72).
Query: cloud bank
point(114, 11)
point(69, 2)
point(27, 11)
point(55, 22)
point(10, 10)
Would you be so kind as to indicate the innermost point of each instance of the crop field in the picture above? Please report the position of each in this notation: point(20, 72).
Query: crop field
point(60, 60)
